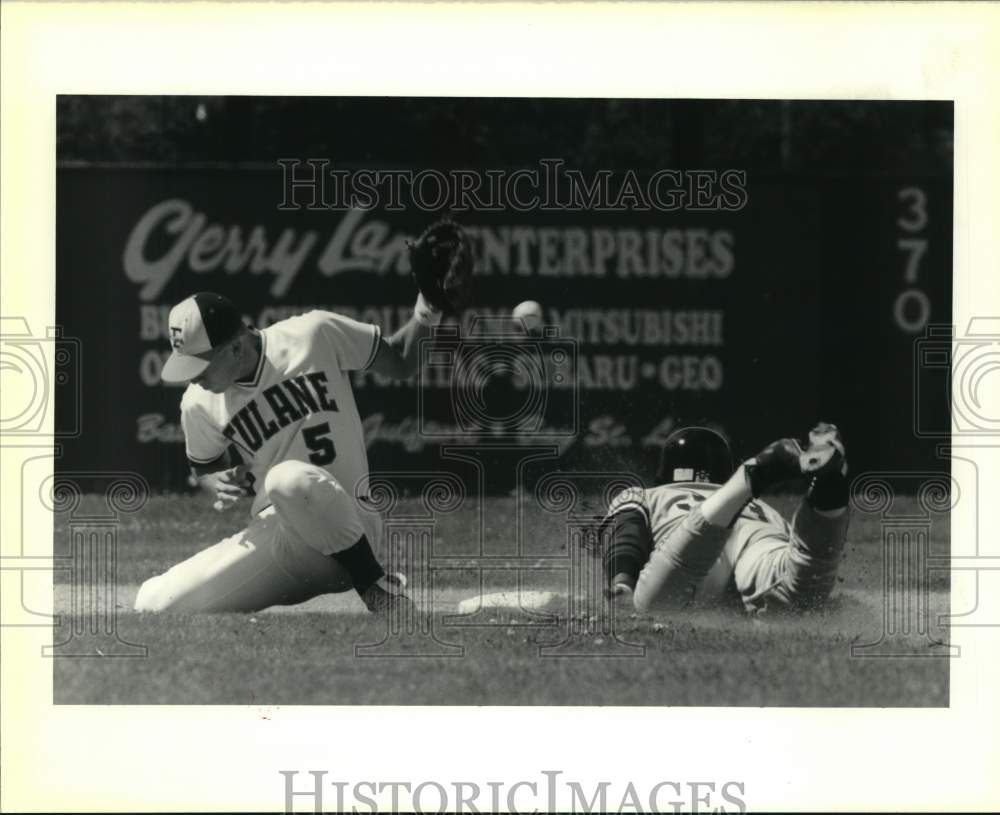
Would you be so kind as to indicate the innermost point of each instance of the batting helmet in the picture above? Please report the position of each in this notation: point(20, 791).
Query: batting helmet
point(695, 454)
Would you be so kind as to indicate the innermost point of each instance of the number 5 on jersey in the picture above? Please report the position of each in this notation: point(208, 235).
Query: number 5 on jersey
point(317, 439)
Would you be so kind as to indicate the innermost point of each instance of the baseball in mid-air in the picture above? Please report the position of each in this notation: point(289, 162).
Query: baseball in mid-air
point(530, 313)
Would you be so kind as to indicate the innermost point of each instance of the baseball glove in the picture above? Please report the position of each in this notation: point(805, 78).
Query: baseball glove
point(441, 262)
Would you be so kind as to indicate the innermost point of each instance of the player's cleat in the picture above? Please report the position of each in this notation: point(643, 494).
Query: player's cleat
point(386, 595)
point(829, 488)
point(825, 434)
point(779, 461)
point(785, 460)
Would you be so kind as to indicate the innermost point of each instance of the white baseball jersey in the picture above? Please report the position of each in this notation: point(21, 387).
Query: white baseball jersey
point(298, 405)
point(665, 507)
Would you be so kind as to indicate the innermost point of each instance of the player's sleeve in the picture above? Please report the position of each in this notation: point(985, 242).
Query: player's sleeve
point(628, 534)
point(630, 499)
point(204, 442)
point(353, 344)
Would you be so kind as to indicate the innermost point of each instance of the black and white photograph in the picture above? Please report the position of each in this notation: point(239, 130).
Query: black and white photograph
point(564, 401)
point(499, 407)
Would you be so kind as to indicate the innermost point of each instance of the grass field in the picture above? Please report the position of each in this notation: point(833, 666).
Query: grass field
point(315, 653)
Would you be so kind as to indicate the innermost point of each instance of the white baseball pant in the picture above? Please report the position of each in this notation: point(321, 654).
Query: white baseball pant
point(281, 558)
point(796, 571)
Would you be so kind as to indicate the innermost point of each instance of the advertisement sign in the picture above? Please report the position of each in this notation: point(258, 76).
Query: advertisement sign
point(650, 318)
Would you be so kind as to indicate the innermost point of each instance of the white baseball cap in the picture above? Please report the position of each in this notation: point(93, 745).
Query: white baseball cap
point(198, 326)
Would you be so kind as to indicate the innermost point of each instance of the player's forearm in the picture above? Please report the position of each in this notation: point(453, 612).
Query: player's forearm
point(403, 359)
point(406, 345)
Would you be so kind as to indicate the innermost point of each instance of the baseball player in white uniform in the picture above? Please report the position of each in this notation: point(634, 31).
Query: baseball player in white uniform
point(704, 535)
point(282, 398)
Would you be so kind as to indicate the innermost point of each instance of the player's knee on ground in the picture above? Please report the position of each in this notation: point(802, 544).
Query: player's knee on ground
point(152, 596)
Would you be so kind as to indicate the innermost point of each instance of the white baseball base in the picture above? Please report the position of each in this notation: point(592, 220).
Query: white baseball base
point(512, 600)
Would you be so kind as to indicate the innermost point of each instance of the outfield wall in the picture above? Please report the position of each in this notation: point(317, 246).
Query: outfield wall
point(806, 301)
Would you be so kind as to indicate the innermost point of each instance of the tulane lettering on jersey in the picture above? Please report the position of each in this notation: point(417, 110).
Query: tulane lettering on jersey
point(288, 402)
point(298, 406)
